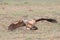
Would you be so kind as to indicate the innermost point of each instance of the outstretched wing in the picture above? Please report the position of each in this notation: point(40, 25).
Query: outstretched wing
point(46, 19)
point(13, 26)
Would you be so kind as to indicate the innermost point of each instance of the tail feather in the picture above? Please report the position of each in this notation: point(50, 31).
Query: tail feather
point(49, 20)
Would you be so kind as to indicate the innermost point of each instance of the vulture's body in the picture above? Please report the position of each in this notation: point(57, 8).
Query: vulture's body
point(29, 24)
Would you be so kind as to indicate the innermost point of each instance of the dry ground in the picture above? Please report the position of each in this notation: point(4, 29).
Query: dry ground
point(11, 11)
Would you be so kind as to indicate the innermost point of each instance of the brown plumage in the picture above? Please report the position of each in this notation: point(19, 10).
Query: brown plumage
point(29, 24)
point(14, 26)
point(49, 20)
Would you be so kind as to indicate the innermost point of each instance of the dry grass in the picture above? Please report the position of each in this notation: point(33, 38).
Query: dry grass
point(46, 31)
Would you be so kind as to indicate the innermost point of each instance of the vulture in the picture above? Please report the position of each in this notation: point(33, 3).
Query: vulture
point(29, 24)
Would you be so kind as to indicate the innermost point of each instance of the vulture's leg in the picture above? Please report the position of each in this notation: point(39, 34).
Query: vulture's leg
point(34, 28)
